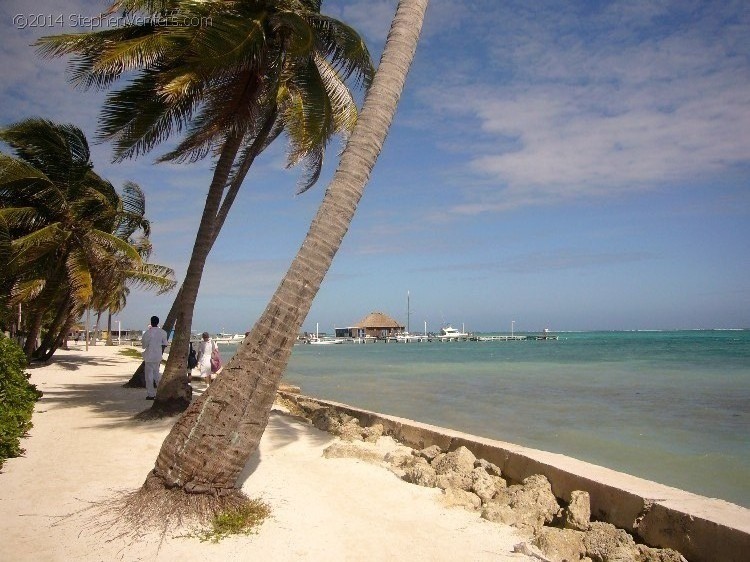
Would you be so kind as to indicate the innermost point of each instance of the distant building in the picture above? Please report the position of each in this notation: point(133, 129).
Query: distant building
point(375, 324)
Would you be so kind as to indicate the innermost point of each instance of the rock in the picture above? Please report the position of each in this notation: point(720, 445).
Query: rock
point(524, 548)
point(606, 543)
point(421, 473)
point(289, 388)
point(527, 506)
point(460, 460)
point(352, 450)
point(323, 419)
point(560, 544)
point(348, 431)
point(454, 497)
point(373, 433)
point(454, 469)
point(491, 469)
point(484, 485)
point(458, 480)
point(429, 453)
point(648, 554)
point(399, 458)
point(502, 513)
point(578, 513)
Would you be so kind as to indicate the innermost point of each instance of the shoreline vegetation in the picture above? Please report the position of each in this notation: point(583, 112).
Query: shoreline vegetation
point(312, 481)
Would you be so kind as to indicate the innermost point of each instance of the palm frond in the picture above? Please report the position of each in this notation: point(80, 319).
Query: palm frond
point(101, 57)
point(132, 213)
point(21, 184)
point(137, 117)
point(79, 276)
point(5, 248)
point(344, 48)
point(60, 150)
point(27, 290)
point(343, 106)
point(112, 243)
point(22, 219)
point(309, 118)
point(29, 248)
point(151, 277)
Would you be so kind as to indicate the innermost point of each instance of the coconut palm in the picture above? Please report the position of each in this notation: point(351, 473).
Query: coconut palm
point(120, 274)
point(210, 443)
point(233, 75)
point(64, 227)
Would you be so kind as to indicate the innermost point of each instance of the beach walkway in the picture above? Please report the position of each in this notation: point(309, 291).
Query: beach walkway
point(85, 446)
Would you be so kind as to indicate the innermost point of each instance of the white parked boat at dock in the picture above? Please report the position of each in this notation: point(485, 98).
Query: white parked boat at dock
point(449, 333)
point(224, 338)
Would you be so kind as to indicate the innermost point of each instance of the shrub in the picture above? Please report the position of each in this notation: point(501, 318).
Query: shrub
point(17, 397)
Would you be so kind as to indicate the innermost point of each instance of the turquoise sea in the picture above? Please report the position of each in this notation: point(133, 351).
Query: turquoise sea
point(671, 406)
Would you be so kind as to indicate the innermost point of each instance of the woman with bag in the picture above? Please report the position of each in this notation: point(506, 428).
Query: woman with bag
point(206, 349)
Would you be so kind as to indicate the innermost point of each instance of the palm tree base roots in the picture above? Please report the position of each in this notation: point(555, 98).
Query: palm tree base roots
point(138, 380)
point(156, 509)
point(164, 409)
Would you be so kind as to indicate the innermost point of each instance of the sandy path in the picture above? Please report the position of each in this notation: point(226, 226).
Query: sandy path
point(85, 445)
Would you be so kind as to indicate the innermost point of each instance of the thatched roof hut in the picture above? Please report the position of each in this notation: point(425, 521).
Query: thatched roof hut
point(374, 324)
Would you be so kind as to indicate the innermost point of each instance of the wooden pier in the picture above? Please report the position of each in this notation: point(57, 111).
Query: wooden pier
point(415, 338)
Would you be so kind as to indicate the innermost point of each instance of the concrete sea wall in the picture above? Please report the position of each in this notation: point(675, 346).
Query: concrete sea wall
point(702, 529)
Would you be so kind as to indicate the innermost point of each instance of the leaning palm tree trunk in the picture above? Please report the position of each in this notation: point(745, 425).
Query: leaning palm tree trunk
point(174, 385)
point(210, 444)
point(171, 396)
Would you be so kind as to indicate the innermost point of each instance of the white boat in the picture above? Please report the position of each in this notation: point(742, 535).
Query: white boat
point(450, 333)
point(224, 338)
point(409, 338)
point(324, 341)
point(317, 340)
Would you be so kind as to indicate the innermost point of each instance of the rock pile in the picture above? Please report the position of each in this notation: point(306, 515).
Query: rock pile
point(557, 532)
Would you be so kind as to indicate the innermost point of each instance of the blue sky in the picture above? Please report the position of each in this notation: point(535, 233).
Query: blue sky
point(570, 165)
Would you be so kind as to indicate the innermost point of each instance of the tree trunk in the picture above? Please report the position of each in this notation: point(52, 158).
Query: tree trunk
point(109, 328)
point(35, 327)
point(173, 392)
point(50, 340)
point(209, 445)
point(61, 338)
point(171, 398)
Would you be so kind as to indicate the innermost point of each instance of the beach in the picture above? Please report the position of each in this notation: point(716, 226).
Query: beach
point(85, 447)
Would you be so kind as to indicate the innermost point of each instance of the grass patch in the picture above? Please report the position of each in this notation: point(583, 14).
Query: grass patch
point(241, 520)
point(136, 354)
point(130, 352)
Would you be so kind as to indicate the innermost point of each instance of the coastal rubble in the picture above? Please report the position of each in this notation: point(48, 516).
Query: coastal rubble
point(557, 533)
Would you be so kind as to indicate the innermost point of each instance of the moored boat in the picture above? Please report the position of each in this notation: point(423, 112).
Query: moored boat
point(224, 338)
point(451, 333)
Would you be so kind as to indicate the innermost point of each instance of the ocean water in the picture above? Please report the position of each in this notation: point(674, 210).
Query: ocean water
point(673, 407)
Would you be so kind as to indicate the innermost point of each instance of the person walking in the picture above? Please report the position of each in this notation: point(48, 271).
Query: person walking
point(154, 342)
point(205, 348)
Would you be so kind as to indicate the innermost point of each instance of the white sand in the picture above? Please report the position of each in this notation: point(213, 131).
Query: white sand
point(85, 446)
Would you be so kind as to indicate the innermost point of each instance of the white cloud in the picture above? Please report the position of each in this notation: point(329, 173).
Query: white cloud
point(580, 115)
point(371, 18)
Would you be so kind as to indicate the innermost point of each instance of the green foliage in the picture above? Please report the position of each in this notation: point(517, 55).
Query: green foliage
point(17, 397)
point(68, 240)
point(242, 520)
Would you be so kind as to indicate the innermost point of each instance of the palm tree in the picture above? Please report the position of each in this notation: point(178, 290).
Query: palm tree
point(234, 75)
point(119, 274)
point(211, 442)
point(63, 224)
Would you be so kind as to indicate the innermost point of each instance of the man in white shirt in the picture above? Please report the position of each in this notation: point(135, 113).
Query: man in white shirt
point(154, 342)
